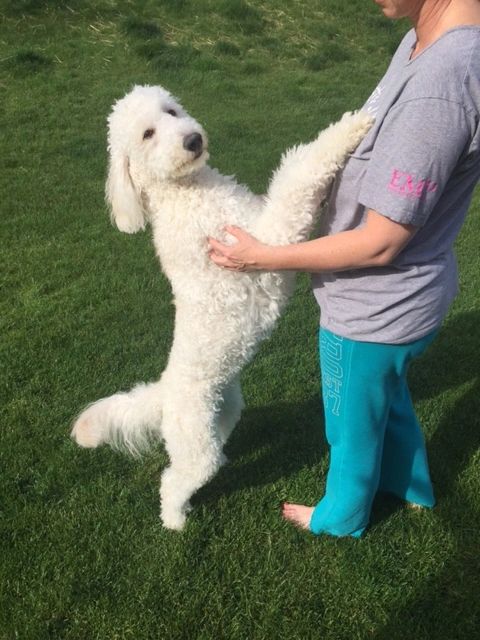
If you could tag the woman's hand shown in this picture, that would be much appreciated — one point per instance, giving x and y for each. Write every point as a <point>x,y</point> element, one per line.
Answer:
<point>247,254</point>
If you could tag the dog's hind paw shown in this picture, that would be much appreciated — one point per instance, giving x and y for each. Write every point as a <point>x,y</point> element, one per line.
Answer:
<point>174,520</point>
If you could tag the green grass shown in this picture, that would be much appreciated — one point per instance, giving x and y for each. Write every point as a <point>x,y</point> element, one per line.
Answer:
<point>85,312</point>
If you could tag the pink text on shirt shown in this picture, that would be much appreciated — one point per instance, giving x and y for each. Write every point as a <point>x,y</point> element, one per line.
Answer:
<point>404,184</point>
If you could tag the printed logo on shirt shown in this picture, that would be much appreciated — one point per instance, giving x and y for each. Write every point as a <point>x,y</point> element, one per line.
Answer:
<point>373,103</point>
<point>408,186</point>
<point>332,372</point>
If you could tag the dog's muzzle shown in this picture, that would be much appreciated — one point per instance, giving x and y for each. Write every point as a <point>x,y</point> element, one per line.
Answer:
<point>194,143</point>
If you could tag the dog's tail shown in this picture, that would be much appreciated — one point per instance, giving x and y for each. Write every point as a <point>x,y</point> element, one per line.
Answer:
<point>127,421</point>
<point>302,181</point>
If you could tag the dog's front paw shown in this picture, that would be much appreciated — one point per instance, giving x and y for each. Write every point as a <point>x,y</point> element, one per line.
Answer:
<point>357,125</point>
<point>87,431</point>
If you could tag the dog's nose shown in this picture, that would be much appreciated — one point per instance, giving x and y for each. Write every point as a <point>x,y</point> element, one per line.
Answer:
<point>193,142</point>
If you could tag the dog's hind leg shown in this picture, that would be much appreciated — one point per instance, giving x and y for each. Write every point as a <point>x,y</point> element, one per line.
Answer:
<point>231,410</point>
<point>195,453</point>
<point>123,420</point>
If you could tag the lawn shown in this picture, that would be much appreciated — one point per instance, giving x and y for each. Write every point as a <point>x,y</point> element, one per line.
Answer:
<point>85,312</point>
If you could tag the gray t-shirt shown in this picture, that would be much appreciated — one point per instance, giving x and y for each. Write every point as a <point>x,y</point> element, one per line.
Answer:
<point>418,165</point>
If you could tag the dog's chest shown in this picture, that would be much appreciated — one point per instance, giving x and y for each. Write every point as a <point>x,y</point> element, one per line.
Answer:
<point>181,227</point>
<point>184,218</point>
<point>248,304</point>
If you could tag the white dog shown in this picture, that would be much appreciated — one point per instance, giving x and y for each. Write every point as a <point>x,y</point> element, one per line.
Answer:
<point>158,173</point>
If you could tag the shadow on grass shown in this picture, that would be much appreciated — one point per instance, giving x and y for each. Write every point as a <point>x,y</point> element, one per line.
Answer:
<point>453,590</point>
<point>22,7</point>
<point>452,358</point>
<point>276,441</point>
<point>452,361</point>
<point>27,62</point>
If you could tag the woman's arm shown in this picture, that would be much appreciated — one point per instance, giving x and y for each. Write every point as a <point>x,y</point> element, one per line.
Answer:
<point>375,243</point>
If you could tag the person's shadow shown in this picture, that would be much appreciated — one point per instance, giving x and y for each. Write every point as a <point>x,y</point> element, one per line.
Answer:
<point>453,363</point>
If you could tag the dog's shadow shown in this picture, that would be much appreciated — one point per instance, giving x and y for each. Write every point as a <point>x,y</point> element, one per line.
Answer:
<point>274,442</point>
<point>270,443</point>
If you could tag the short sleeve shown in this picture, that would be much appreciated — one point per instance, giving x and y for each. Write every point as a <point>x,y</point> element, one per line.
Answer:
<point>414,155</point>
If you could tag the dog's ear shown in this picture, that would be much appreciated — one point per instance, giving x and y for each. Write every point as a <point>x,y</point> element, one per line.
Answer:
<point>125,207</point>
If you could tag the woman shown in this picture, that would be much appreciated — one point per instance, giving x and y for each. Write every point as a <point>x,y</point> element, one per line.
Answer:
<point>385,273</point>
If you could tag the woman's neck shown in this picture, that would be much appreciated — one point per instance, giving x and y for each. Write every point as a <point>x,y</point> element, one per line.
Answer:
<point>435,17</point>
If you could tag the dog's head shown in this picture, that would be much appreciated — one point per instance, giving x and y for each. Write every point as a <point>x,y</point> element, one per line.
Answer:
<point>149,135</point>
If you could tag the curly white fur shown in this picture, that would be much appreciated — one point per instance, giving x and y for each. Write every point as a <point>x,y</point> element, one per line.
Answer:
<point>158,174</point>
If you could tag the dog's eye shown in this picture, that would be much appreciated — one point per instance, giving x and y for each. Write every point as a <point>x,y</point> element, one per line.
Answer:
<point>172,112</point>
<point>148,134</point>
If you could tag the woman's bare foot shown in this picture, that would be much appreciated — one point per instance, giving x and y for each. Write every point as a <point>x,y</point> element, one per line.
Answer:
<point>415,506</point>
<point>299,514</point>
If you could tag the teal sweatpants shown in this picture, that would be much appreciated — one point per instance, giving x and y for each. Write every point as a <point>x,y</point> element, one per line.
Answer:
<point>376,442</point>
